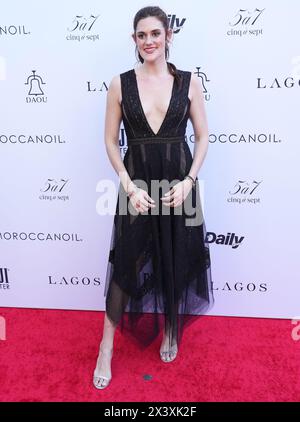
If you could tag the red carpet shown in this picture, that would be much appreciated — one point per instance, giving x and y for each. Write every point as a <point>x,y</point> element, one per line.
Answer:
<point>49,355</point>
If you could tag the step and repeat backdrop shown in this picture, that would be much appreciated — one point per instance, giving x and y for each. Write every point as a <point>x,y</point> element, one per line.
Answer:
<point>56,62</point>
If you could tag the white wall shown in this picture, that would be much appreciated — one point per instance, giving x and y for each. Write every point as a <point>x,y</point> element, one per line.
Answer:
<point>258,278</point>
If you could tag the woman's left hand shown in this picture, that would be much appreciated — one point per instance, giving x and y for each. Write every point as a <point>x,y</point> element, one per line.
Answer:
<point>175,196</point>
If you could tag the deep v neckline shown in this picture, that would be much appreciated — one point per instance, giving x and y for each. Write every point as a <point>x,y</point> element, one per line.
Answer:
<point>142,109</point>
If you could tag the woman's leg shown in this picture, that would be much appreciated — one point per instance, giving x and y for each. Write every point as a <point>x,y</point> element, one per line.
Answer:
<point>102,373</point>
<point>109,329</point>
<point>169,348</point>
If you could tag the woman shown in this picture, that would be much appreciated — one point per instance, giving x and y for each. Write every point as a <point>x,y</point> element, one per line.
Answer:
<point>158,273</point>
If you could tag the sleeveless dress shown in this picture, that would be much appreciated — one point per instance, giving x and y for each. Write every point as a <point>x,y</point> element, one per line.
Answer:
<point>159,271</point>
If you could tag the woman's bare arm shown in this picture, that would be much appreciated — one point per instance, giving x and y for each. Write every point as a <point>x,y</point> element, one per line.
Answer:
<point>113,118</point>
<point>199,122</point>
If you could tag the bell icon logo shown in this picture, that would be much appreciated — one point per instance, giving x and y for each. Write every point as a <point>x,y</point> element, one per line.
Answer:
<point>35,93</point>
<point>35,82</point>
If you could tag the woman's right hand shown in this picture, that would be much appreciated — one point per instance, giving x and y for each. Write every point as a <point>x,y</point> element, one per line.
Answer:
<point>141,201</point>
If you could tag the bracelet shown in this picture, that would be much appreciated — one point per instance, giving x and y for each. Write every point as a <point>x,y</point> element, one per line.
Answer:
<point>190,177</point>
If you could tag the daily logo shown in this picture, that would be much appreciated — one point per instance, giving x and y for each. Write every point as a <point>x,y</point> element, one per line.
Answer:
<point>229,239</point>
<point>176,24</point>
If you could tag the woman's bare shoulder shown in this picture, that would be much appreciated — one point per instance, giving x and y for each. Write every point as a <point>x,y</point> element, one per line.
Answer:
<point>115,82</point>
<point>195,86</point>
<point>115,85</point>
<point>116,79</point>
<point>114,88</point>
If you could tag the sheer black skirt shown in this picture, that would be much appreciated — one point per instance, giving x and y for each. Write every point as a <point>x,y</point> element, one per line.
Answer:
<point>159,269</point>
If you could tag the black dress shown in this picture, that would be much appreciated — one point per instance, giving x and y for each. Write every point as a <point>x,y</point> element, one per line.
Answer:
<point>159,271</point>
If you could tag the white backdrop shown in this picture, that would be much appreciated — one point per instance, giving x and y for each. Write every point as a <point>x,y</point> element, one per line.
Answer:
<point>56,62</point>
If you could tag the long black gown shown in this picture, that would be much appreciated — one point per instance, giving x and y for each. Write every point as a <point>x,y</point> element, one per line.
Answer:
<point>159,271</point>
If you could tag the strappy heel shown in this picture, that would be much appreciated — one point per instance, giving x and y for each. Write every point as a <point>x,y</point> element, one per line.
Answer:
<point>102,381</point>
<point>170,354</point>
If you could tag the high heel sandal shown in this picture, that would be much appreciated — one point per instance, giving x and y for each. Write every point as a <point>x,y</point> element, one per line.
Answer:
<point>169,355</point>
<point>98,379</point>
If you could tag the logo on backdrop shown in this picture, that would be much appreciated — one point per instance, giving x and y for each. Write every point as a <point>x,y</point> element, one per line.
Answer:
<point>279,83</point>
<point>35,92</point>
<point>203,79</point>
<point>4,281</point>
<point>245,192</point>
<point>246,22</point>
<point>123,142</point>
<point>74,281</point>
<point>241,286</point>
<point>175,23</point>
<point>83,29</point>
<point>242,138</point>
<point>54,190</point>
<point>102,87</point>
<point>31,139</point>
<point>229,239</point>
<point>41,236</point>
<point>13,30</point>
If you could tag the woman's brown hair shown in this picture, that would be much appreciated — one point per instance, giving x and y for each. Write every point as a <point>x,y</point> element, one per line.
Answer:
<point>157,12</point>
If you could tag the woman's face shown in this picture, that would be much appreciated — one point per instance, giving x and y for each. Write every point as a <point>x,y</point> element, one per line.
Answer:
<point>150,38</point>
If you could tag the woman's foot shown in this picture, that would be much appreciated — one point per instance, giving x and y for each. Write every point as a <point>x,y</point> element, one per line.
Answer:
<point>167,352</point>
<point>102,372</point>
